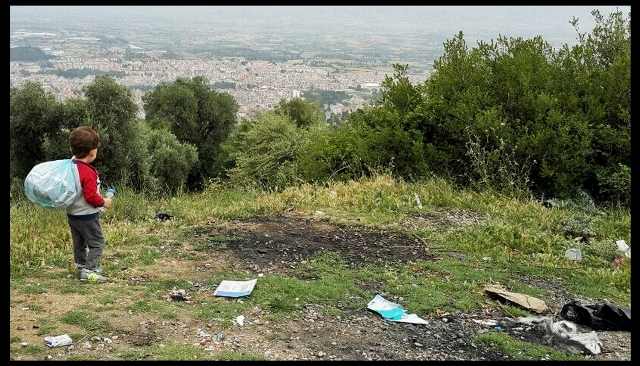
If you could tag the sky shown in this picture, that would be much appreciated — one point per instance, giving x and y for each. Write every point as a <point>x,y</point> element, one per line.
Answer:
<point>482,22</point>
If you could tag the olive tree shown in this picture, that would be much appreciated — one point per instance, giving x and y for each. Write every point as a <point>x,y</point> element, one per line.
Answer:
<point>197,115</point>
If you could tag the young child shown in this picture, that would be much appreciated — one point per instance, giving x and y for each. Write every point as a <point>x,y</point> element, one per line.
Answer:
<point>84,214</point>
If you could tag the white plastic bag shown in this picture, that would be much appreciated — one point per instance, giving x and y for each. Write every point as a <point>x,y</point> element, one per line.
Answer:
<point>52,184</point>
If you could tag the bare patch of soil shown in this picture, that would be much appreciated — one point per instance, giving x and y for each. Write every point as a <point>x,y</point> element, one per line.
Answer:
<point>281,243</point>
<point>278,245</point>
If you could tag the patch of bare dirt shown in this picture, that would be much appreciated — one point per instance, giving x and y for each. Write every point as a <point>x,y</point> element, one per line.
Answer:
<point>278,245</point>
<point>281,243</point>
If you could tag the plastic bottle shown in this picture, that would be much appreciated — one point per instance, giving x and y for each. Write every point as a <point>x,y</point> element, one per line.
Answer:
<point>110,193</point>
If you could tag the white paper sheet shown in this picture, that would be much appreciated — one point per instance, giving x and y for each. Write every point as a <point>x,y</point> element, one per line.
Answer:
<point>58,341</point>
<point>235,288</point>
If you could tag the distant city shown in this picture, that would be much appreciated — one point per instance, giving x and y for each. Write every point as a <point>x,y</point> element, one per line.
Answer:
<point>259,55</point>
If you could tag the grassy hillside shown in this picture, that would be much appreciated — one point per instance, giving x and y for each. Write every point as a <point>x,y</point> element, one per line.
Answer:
<point>154,246</point>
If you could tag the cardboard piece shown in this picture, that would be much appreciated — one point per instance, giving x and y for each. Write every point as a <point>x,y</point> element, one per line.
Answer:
<point>527,302</point>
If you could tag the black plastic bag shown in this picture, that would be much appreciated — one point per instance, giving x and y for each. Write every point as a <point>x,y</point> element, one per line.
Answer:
<point>598,317</point>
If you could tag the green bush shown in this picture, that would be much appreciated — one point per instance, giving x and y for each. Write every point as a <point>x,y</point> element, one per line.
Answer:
<point>266,153</point>
<point>171,161</point>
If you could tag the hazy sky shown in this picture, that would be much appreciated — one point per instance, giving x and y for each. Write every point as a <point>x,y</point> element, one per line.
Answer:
<point>484,22</point>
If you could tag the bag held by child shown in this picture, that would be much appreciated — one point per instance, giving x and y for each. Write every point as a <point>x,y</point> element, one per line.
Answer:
<point>52,184</point>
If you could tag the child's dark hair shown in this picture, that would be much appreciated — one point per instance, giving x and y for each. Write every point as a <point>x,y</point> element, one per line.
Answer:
<point>82,140</point>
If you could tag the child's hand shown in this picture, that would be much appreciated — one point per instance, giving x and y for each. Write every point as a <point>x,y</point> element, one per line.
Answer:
<point>107,203</point>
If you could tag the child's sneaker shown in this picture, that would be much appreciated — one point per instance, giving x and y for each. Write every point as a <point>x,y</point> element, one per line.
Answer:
<point>79,269</point>
<point>91,276</point>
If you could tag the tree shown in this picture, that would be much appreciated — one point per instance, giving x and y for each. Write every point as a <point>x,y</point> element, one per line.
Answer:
<point>266,152</point>
<point>171,161</point>
<point>33,117</point>
<point>547,108</point>
<point>196,115</point>
<point>606,56</point>
<point>385,143</point>
<point>124,157</point>
<point>397,92</point>
<point>73,113</point>
<point>302,112</point>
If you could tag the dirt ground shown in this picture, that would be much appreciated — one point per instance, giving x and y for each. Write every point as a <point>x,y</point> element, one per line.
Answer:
<point>277,245</point>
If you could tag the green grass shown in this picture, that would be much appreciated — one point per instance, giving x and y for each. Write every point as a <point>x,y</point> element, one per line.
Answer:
<point>515,239</point>
<point>524,351</point>
<point>28,350</point>
<point>176,352</point>
<point>46,326</point>
<point>84,319</point>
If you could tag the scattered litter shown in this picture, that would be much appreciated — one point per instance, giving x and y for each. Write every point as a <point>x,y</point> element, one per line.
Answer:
<point>239,320</point>
<point>392,311</point>
<point>497,329</point>
<point>623,247</point>
<point>598,317</point>
<point>618,261</point>
<point>573,254</point>
<point>58,341</point>
<point>162,216</point>
<point>527,302</point>
<point>178,295</point>
<point>417,200</point>
<point>235,288</point>
<point>218,336</point>
<point>565,334</point>
<point>530,320</point>
<point>490,323</point>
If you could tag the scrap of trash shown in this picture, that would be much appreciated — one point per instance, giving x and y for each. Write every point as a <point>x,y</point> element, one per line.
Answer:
<point>162,216</point>
<point>525,301</point>
<point>624,248</point>
<point>392,311</point>
<point>58,341</point>
<point>177,294</point>
<point>235,288</point>
<point>575,254</point>
<point>598,317</point>
<point>564,334</point>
